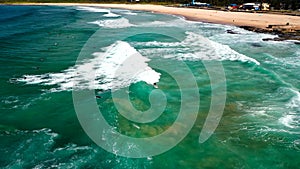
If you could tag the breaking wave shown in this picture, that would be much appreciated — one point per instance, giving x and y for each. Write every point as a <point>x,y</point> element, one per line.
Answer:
<point>92,9</point>
<point>113,23</point>
<point>193,47</point>
<point>106,66</point>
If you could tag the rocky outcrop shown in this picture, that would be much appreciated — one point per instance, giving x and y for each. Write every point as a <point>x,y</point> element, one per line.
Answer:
<point>284,32</point>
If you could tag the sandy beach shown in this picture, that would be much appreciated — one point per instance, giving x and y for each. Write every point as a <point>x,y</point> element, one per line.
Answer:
<point>258,20</point>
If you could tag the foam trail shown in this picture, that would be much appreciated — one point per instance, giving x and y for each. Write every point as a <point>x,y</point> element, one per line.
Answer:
<point>226,53</point>
<point>292,119</point>
<point>111,15</point>
<point>295,101</point>
<point>121,56</point>
<point>106,65</point>
<point>289,121</point>
<point>92,9</point>
<point>130,13</point>
<point>113,23</point>
<point>193,47</point>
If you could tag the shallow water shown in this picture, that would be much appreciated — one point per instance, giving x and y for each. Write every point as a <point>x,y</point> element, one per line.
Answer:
<point>260,126</point>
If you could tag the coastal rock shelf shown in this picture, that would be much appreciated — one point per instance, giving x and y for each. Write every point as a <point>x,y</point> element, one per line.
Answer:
<point>284,32</point>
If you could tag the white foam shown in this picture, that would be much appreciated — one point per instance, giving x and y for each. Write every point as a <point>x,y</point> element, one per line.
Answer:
<point>130,13</point>
<point>226,53</point>
<point>118,67</point>
<point>290,121</point>
<point>218,33</point>
<point>124,61</point>
<point>92,9</point>
<point>111,15</point>
<point>242,37</point>
<point>113,23</point>
<point>193,47</point>
<point>157,23</point>
<point>295,101</point>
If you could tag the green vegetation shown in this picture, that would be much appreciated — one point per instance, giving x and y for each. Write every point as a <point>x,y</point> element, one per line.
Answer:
<point>277,4</point>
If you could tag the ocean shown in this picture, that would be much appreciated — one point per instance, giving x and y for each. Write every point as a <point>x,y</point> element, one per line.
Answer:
<point>87,87</point>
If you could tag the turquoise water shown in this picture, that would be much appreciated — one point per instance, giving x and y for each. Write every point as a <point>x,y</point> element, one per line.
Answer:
<point>259,128</point>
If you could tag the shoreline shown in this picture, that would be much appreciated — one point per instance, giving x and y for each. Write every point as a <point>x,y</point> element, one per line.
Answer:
<point>285,26</point>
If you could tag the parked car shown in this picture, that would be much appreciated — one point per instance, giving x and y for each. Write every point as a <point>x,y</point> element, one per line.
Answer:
<point>251,6</point>
<point>200,4</point>
<point>232,7</point>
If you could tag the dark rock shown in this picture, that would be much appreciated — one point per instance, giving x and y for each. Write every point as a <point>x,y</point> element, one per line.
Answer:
<point>274,39</point>
<point>231,32</point>
<point>279,39</point>
<point>267,39</point>
<point>256,45</point>
<point>249,28</point>
<point>283,34</point>
<point>254,29</point>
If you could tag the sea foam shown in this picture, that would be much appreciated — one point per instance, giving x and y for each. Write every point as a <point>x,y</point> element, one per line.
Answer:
<point>111,15</point>
<point>113,23</point>
<point>98,10</point>
<point>130,13</point>
<point>290,121</point>
<point>92,9</point>
<point>193,47</point>
<point>118,67</point>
